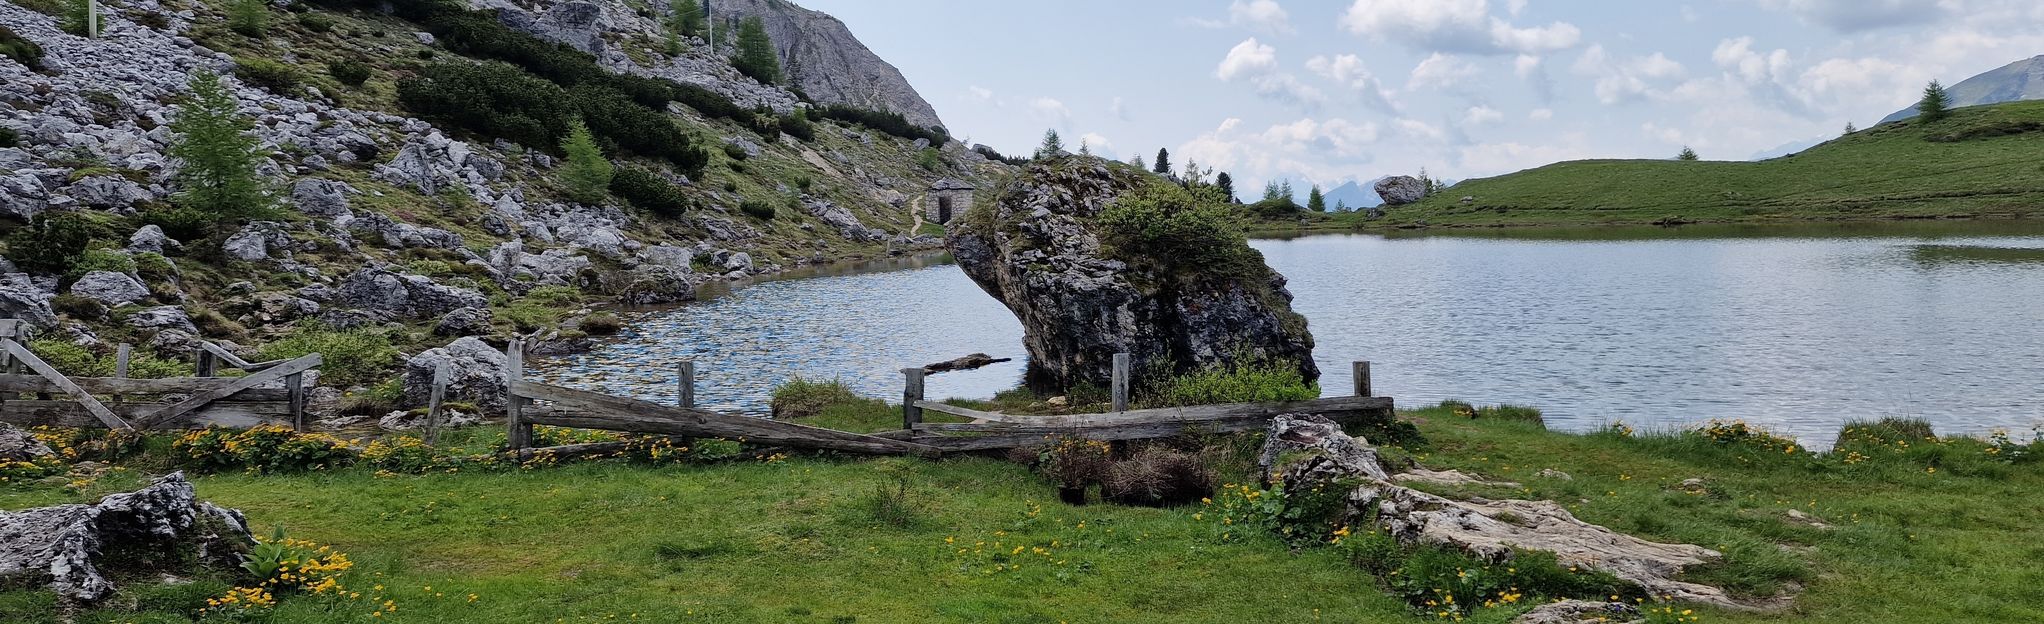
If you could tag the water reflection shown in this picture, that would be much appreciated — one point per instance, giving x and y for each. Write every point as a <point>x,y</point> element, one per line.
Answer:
<point>1799,328</point>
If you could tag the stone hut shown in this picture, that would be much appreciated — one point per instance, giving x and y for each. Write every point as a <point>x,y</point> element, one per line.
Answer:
<point>948,199</point>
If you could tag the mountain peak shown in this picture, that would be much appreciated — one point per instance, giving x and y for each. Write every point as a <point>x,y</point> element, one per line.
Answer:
<point>2021,80</point>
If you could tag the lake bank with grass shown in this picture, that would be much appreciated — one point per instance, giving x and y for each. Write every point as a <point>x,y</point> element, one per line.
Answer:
<point>716,537</point>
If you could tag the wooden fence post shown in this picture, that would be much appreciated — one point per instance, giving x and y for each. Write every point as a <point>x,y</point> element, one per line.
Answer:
<point>295,384</point>
<point>685,387</point>
<point>433,403</point>
<point>911,393</point>
<point>519,437</point>
<point>207,364</point>
<point>121,364</point>
<point>1121,371</point>
<point>1361,372</point>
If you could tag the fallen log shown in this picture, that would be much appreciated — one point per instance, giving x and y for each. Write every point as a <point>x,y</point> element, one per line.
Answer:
<point>976,360</point>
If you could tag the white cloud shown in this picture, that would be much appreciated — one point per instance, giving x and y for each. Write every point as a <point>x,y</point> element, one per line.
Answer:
<point>1099,145</point>
<point>1480,115</point>
<point>1052,111</point>
<point>1440,71</point>
<point>1620,80</point>
<point>980,93</point>
<point>1525,65</point>
<point>1849,16</point>
<point>1256,63</point>
<point>1515,6</point>
<point>1414,128</point>
<point>1464,26</point>
<point>1500,158</point>
<point>1118,108</point>
<point>1737,56</point>
<point>1261,15</point>
<point>1348,71</point>
<point>1540,114</point>
<point>1247,59</point>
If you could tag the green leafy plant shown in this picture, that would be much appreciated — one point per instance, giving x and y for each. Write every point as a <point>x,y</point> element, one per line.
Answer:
<point>352,357</point>
<point>929,159</point>
<point>25,52</point>
<point>804,398</point>
<point>1162,222</point>
<point>261,449</point>
<point>1256,382</point>
<point>757,209</point>
<point>649,191</point>
<point>349,71</point>
<point>51,244</point>
<point>278,77</point>
<point>315,22</point>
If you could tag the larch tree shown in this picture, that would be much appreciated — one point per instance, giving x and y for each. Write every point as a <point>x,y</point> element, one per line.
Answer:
<point>217,154</point>
<point>1052,144</point>
<point>756,55</point>
<point>586,173</point>
<point>1315,201</point>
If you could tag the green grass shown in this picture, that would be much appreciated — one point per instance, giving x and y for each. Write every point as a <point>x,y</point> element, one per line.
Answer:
<point>1980,162</point>
<point>799,540</point>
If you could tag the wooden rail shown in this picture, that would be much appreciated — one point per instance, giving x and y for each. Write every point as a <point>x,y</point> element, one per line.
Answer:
<point>202,400</point>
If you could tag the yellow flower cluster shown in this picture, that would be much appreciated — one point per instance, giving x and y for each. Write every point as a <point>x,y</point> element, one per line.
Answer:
<point>242,602</point>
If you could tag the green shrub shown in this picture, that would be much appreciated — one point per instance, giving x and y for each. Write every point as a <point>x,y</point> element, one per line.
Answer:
<point>1279,208</point>
<point>77,16</point>
<point>249,18</point>
<point>212,323</point>
<point>493,99</point>
<point>555,295</point>
<point>9,138</point>
<point>101,260</point>
<point>803,398</point>
<point>884,121</point>
<point>180,223</point>
<point>1246,383</point>
<point>1157,476</point>
<point>23,51</point>
<point>757,209</point>
<point>1073,462</point>
<point>76,307</point>
<point>797,124</point>
<point>896,502</point>
<point>349,71</point>
<point>315,22</point>
<point>734,152</point>
<point>51,244</point>
<point>351,357</point>
<point>70,359</point>
<point>929,159</point>
<point>1508,411</point>
<point>278,77</point>
<point>1161,222</point>
<point>648,191</point>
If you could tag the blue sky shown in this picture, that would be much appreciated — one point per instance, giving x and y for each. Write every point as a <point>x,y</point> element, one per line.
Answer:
<point>1326,91</point>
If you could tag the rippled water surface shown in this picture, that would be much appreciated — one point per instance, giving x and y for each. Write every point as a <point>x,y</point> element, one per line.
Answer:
<point>1797,328</point>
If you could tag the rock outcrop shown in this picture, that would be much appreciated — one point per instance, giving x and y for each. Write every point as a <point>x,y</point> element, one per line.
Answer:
<point>64,547</point>
<point>17,445</point>
<point>1310,451</point>
<point>1038,249</point>
<point>1401,190</point>
<point>475,374</point>
<point>831,65</point>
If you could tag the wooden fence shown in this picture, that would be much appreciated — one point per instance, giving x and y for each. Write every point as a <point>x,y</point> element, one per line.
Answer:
<point>140,404</point>
<point>531,403</point>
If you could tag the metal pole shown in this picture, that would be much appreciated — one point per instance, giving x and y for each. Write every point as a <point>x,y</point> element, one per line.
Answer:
<point>92,18</point>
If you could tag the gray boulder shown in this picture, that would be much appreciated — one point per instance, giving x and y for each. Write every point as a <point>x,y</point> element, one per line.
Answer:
<point>1581,612</point>
<point>841,219</point>
<point>23,196</point>
<point>394,295</point>
<point>62,547</point>
<point>162,317</point>
<point>106,191</point>
<point>258,241</point>
<point>17,445</point>
<point>464,322</point>
<point>475,374</point>
<point>1041,255</point>
<point>21,297</point>
<point>109,288</point>
<point>151,238</point>
<point>395,235</point>
<point>322,198</point>
<point>1401,190</point>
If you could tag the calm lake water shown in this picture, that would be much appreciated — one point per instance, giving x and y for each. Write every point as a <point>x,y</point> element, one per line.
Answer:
<point>1799,328</point>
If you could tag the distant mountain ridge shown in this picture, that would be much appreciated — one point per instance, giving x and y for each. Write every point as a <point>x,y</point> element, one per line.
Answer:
<point>2021,80</point>
<point>1352,194</point>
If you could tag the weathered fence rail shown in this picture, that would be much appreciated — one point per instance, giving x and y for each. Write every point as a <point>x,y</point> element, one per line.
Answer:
<point>170,403</point>
<point>542,404</point>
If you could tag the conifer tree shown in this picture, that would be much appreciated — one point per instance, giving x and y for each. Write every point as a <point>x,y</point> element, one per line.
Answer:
<point>1052,144</point>
<point>1315,201</point>
<point>685,18</point>
<point>756,55</point>
<point>216,154</point>
<point>1849,128</point>
<point>1163,164</point>
<point>1686,154</point>
<point>586,174</point>
<point>1227,185</point>
<point>1935,103</point>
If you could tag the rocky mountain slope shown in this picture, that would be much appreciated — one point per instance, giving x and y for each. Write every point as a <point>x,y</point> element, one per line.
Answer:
<point>2021,80</point>
<point>826,62</point>
<point>405,230</point>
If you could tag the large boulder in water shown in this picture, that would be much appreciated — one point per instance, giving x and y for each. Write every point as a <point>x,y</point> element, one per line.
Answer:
<point>1149,278</point>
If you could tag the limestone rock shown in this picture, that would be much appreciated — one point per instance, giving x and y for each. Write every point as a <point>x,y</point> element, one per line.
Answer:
<point>464,322</point>
<point>150,238</point>
<point>17,445</point>
<point>170,317</point>
<point>109,288</point>
<point>61,547</point>
<point>1581,612</point>
<point>1487,529</point>
<point>394,295</point>
<point>1401,190</point>
<point>475,374</point>
<point>258,241</point>
<point>22,298</point>
<point>838,217</point>
<point>321,198</point>
<point>1040,253</point>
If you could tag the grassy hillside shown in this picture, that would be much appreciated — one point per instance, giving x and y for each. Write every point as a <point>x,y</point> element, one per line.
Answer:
<point>1980,162</point>
<point>1896,530</point>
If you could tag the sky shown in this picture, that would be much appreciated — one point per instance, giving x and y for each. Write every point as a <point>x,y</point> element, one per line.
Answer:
<point>1328,91</point>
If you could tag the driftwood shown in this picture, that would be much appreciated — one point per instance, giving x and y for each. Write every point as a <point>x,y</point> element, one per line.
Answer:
<point>567,407</point>
<point>976,360</point>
